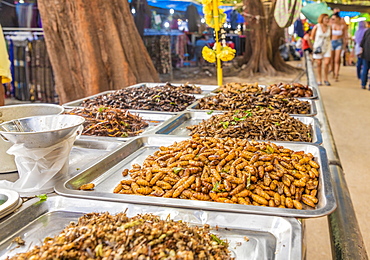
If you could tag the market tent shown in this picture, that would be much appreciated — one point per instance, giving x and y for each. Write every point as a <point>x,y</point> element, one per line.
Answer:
<point>228,10</point>
<point>351,7</point>
<point>180,5</point>
<point>314,10</point>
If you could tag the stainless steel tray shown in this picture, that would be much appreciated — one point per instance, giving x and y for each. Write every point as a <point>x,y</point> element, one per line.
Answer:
<point>177,124</point>
<point>313,112</point>
<point>314,92</point>
<point>86,152</point>
<point>269,237</point>
<point>154,120</point>
<point>106,174</point>
<point>206,89</point>
<point>78,102</point>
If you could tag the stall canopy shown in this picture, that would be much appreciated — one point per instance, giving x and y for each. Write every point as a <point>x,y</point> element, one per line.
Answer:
<point>314,10</point>
<point>363,8</point>
<point>182,5</point>
<point>176,5</point>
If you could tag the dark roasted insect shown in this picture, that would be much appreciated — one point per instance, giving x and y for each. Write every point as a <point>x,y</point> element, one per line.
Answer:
<point>113,122</point>
<point>160,98</point>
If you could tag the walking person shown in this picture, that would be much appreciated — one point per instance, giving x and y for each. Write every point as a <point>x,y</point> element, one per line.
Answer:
<point>338,42</point>
<point>358,50</point>
<point>306,41</point>
<point>365,55</point>
<point>321,35</point>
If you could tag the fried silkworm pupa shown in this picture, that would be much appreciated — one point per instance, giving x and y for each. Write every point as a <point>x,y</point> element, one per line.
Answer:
<point>87,186</point>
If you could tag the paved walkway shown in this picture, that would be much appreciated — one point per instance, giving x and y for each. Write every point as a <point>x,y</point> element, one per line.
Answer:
<point>347,107</point>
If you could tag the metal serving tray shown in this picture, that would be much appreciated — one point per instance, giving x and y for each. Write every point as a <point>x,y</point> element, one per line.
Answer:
<point>85,152</point>
<point>106,174</point>
<point>206,89</point>
<point>314,92</point>
<point>194,107</point>
<point>154,120</point>
<point>78,102</point>
<point>269,237</point>
<point>177,124</point>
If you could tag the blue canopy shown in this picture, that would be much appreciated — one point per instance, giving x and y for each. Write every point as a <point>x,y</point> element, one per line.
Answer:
<point>176,5</point>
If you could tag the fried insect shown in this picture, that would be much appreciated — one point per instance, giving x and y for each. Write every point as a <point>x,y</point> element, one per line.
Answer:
<point>233,171</point>
<point>87,186</point>
<point>144,236</point>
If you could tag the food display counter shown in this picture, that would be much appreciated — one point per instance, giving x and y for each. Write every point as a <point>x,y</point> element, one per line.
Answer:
<point>188,179</point>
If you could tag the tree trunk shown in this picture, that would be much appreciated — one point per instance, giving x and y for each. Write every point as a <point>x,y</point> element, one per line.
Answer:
<point>263,38</point>
<point>277,38</point>
<point>257,45</point>
<point>93,46</point>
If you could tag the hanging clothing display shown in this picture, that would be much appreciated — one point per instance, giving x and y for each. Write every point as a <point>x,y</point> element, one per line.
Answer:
<point>31,69</point>
<point>28,15</point>
<point>165,49</point>
<point>158,47</point>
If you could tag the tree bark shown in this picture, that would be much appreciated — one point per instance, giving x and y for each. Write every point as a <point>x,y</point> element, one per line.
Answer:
<point>257,42</point>
<point>93,46</point>
<point>263,38</point>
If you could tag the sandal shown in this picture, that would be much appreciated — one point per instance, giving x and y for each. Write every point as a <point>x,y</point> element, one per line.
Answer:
<point>327,83</point>
<point>319,84</point>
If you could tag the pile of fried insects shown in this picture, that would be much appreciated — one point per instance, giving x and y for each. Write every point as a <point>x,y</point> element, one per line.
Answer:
<point>106,236</point>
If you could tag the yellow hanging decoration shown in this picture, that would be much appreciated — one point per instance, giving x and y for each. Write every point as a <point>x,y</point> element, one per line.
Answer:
<point>215,17</point>
<point>227,53</point>
<point>209,54</point>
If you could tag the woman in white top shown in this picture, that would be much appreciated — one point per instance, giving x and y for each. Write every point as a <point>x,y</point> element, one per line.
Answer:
<point>321,35</point>
<point>338,42</point>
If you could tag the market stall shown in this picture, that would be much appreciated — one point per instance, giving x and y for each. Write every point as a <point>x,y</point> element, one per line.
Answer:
<point>99,162</point>
<point>180,171</point>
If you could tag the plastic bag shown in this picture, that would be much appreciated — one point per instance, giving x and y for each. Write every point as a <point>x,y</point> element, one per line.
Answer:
<point>38,167</point>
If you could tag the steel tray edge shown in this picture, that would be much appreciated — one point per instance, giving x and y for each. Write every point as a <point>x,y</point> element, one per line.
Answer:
<point>56,203</point>
<point>167,125</point>
<point>82,178</point>
<point>314,92</point>
<point>312,102</point>
<point>126,139</point>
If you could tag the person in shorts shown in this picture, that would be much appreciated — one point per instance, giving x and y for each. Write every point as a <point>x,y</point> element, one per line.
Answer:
<point>338,42</point>
<point>321,34</point>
